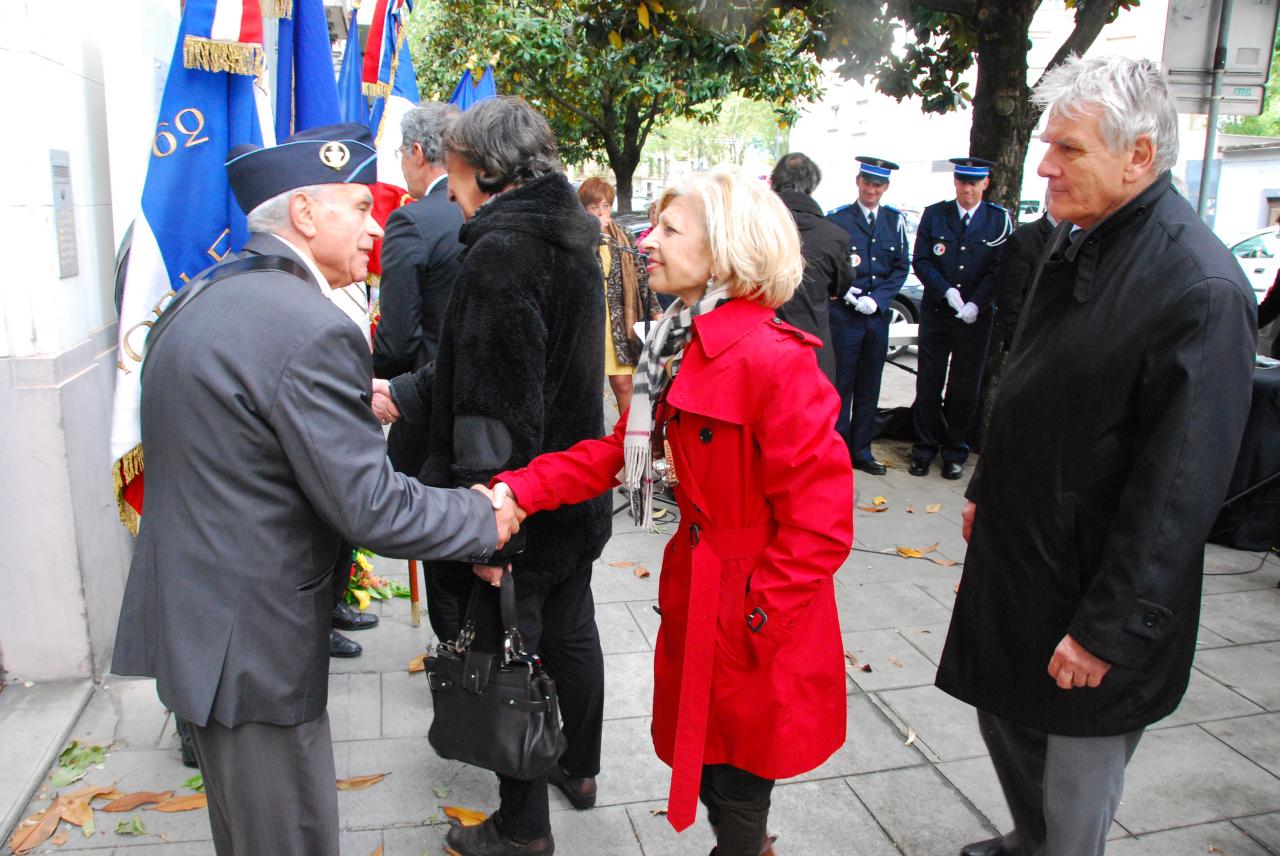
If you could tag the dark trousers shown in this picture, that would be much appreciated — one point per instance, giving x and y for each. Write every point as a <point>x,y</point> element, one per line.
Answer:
<point>1062,792</point>
<point>738,808</point>
<point>861,343</point>
<point>270,787</point>
<point>946,422</point>
<point>559,625</point>
<point>342,573</point>
<point>448,587</point>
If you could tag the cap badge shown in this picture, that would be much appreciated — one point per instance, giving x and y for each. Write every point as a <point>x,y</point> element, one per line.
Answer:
<point>334,155</point>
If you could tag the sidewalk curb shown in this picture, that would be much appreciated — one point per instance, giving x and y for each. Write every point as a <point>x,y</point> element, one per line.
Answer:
<point>76,696</point>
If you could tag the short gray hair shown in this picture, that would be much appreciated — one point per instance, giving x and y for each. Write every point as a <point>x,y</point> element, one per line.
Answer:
<point>1131,96</point>
<point>273,215</point>
<point>426,126</point>
<point>795,171</point>
<point>506,141</point>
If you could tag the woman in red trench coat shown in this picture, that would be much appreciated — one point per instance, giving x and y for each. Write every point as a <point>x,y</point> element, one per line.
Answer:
<point>749,681</point>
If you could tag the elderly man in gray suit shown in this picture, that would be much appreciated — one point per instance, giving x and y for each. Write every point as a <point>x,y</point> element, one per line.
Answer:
<point>263,456</point>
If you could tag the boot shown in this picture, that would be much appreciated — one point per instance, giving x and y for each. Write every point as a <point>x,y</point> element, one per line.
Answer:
<point>487,839</point>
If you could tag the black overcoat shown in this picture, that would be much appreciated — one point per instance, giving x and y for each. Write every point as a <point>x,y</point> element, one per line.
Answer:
<point>827,273</point>
<point>1110,449</point>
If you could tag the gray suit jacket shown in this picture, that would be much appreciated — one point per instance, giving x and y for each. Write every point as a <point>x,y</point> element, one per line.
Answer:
<point>262,456</point>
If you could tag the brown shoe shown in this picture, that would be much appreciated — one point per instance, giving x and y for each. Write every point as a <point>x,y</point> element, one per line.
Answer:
<point>487,840</point>
<point>581,793</point>
<point>768,846</point>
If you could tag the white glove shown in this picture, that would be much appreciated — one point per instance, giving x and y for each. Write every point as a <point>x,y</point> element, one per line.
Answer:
<point>866,305</point>
<point>968,313</point>
<point>954,298</point>
<point>851,296</point>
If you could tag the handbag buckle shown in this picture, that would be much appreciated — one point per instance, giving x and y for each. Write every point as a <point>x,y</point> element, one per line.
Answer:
<point>513,648</point>
<point>757,619</point>
<point>466,636</point>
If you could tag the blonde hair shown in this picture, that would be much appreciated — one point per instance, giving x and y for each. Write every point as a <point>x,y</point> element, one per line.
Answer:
<point>754,243</point>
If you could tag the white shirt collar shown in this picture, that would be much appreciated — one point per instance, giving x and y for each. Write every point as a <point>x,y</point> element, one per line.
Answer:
<point>963,211</point>
<point>350,299</point>
<point>444,176</point>
<point>866,212</point>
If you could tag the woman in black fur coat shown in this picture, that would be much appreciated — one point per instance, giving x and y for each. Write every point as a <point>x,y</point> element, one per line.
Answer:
<point>520,372</point>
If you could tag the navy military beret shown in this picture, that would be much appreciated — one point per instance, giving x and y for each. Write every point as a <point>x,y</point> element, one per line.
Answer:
<point>331,154</point>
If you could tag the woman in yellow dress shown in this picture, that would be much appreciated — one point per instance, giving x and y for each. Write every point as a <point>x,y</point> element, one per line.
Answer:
<point>626,293</point>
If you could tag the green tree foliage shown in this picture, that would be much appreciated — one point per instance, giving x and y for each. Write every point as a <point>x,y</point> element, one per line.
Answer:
<point>1268,124</point>
<point>607,75</point>
<point>739,126</point>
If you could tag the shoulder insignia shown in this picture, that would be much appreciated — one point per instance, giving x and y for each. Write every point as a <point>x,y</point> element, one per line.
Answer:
<point>841,208</point>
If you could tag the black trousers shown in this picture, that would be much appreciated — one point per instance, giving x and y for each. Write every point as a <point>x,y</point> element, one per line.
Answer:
<point>946,422</point>
<point>559,625</point>
<point>738,808</point>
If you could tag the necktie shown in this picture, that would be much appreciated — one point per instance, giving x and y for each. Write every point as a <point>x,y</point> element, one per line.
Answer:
<point>871,221</point>
<point>964,221</point>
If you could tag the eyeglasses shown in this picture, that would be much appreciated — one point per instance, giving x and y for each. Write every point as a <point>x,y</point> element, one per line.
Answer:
<point>404,150</point>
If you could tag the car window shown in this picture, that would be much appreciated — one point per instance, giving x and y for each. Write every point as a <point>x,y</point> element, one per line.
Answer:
<point>1265,246</point>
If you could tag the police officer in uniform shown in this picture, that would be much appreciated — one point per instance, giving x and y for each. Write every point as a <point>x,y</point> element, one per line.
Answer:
<point>956,256</point>
<point>860,316</point>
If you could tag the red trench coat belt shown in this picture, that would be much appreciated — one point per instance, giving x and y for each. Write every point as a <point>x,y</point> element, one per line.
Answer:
<point>710,547</point>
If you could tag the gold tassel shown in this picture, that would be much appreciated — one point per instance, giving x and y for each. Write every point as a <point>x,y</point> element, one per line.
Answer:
<point>245,58</point>
<point>124,471</point>
<point>277,8</point>
<point>376,90</point>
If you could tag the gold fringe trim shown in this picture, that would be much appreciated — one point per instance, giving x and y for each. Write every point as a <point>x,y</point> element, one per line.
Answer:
<point>373,280</point>
<point>277,8</point>
<point>245,58</point>
<point>124,471</point>
<point>376,90</point>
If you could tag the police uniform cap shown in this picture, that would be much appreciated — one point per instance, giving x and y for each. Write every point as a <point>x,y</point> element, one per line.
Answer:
<point>330,154</point>
<point>876,169</point>
<point>972,169</point>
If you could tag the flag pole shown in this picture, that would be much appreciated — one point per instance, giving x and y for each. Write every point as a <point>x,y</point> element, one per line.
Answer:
<point>415,596</point>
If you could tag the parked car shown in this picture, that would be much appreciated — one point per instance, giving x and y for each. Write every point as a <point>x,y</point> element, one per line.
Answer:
<point>1259,256</point>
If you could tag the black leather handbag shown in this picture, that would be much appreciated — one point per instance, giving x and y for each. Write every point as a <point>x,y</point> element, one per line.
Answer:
<point>495,711</point>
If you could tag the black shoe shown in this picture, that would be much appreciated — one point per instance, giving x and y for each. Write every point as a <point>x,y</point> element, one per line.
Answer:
<point>990,847</point>
<point>341,646</point>
<point>486,839</point>
<point>872,466</point>
<point>918,467</point>
<point>185,743</point>
<point>346,618</point>
<point>951,470</point>
<point>581,793</point>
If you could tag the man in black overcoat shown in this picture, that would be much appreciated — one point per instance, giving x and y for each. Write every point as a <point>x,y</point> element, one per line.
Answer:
<point>827,271</point>
<point>1110,449</point>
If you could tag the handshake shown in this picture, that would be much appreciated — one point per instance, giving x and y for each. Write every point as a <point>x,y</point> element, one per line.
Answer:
<point>966,312</point>
<point>508,517</point>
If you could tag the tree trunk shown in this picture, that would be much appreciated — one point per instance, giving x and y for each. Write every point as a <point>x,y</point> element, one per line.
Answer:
<point>1003,119</point>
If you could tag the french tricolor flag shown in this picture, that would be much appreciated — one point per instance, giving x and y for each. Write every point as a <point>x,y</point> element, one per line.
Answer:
<point>389,79</point>
<point>215,98</point>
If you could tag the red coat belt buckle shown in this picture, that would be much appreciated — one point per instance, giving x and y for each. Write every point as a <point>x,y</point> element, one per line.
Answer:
<point>757,619</point>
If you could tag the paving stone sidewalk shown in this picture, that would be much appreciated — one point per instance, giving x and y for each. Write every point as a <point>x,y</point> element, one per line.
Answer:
<point>1204,781</point>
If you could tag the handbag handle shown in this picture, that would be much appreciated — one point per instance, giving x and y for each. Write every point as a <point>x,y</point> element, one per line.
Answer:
<point>513,640</point>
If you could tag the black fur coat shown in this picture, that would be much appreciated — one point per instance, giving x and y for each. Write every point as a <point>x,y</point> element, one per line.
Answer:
<point>521,364</point>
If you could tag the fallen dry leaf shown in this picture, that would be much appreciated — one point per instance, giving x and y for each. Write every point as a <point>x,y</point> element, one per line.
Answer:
<point>1213,849</point>
<point>911,737</point>
<point>129,802</point>
<point>187,802</point>
<point>930,548</point>
<point>946,563</point>
<point>75,811</point>
<point>91,792</point>
<point>896,662</point>
<point>926,631</point>
<point>933,508</point>
<point>465,816</point>
<point>359,783</point>
<point>878,501</point>
<point>621,564</point>
<point>377,852</point>
<point>60,839</point>
<point>658,812</point>
<point>853,661</point>
<point>911,509</point>
<point>35,830</point>
<point>642,571</point>
<point>957,588</point>
<point>418,663</point>
<point>873,508</point>
<point>866,667</point>
<point>909,553</point>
